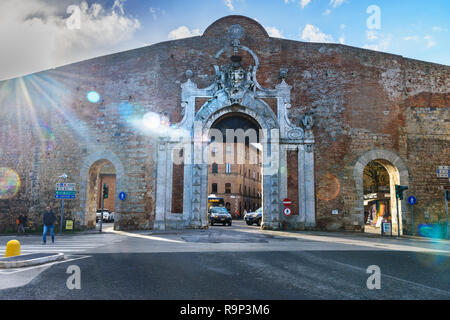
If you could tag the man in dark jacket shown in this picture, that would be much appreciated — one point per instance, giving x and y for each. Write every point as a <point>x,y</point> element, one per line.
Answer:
<point>49,221</point>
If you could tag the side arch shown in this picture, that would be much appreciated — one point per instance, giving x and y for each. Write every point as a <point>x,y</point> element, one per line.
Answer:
<point>398,173</point>
<point>88,162</point>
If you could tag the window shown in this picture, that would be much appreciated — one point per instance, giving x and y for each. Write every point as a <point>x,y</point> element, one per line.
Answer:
<point>214,188</point>
<point>227,187</point>
<point>228,168</point>
<point>215,168</point>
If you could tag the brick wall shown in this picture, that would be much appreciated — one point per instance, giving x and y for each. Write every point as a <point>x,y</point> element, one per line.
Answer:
<point>361,100</point>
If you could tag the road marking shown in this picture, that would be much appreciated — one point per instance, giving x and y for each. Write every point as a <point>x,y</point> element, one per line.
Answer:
<point>12,271</point>
<point>395,278</point>
<point>134,235</point>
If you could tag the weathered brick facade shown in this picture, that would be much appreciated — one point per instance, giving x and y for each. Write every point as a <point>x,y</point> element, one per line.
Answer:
<point>367,105</point>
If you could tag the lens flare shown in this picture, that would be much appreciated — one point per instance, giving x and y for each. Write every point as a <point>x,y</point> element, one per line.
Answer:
<point>329,187</point>
<point>126,109</point>
<point>152,120</point>
<point>93,96</point>
<point>48,135</point>
<point>9,183</point>
<point>431,231</point>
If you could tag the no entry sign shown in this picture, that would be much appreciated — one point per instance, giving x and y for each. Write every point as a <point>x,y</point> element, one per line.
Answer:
<point>287,202</point>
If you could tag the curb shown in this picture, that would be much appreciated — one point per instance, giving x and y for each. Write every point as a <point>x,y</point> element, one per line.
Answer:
<point>30,261</point>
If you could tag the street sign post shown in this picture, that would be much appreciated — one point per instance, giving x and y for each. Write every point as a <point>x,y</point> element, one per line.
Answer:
<point>63,191</point>
<point>412,201</point>
<point>122,195</point>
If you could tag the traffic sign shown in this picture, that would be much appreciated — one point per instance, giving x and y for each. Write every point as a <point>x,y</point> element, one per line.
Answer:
<point>287,202</point>
<point>412,200</point>
<point>65,190</point>
<point>122,195</point>
<point>287,212</point>
<point>66,186</point>
<point>69,224</point>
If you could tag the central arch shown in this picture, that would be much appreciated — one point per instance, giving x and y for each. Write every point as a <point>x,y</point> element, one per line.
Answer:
<point>269,139</point>
<point>235,173</point>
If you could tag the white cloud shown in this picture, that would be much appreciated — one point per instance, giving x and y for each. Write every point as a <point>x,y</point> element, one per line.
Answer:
<point>304,3</point>
<point>326,12</point>
<point>411,38</point>
<point>342,40</point>
<point>183,32</point>
<point>336,3</point>
<point>371,35</point>
<point>439,29</point>
<point>382,44</point>
<point>430,42</point>
<point>229,4</point>
<point>313,34</point>
<point>153,12</point>
<point>35,35</point>
<point>274,32</point>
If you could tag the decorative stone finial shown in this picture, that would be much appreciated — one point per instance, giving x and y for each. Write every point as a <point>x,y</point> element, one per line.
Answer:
<point>189,73</point>
<point>283,73</point>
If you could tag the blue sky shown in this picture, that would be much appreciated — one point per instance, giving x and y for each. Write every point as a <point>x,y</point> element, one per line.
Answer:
<point>34,34</point>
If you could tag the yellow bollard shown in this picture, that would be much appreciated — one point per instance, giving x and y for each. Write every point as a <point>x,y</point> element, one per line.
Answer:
<point>12,248</point>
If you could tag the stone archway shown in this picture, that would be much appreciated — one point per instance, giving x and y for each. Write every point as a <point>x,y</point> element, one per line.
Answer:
<point>235,89</point>
<point>91,167</point>
<point>398,174</point>
<point>269,140</point>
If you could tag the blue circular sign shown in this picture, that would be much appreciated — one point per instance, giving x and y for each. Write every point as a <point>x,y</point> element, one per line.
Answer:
<point>122,195</point>
<point>412,200</point>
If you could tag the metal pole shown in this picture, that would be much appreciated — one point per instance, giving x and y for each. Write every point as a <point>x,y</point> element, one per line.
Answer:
<point>446,212</point>
<point>398,218</point>
<point>103,203</point>
<point>412,219</point>
<point>62,209</point>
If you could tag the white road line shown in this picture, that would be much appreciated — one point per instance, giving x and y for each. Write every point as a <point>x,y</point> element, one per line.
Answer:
<point>11,271</point>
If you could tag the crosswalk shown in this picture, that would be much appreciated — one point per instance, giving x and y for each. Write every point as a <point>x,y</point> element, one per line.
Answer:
<point>65,244</point>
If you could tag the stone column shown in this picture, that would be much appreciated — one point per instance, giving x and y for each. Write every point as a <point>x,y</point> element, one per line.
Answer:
<point>301,184</point>
<point>309,185</point>
<point>161,173</point>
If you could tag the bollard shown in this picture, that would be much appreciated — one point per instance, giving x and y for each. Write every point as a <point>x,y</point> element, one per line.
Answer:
<point>12,248</point>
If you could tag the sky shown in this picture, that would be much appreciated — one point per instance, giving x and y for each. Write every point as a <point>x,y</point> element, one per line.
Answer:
<point>37,35</point>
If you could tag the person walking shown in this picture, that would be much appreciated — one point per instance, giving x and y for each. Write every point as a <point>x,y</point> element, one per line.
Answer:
<point>21,222</point>
<point>49,221</point>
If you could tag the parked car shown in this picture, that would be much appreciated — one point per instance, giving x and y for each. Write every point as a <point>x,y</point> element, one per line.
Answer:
<point>219,215</point>
<point>254,217</point>
<point>106,215</point>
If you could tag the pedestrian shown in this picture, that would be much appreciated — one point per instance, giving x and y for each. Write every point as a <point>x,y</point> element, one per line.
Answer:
<point>21,222</point>
<point>49,221</point>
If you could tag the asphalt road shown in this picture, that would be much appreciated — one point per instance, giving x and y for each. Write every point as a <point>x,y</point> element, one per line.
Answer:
<point>215,264</point>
